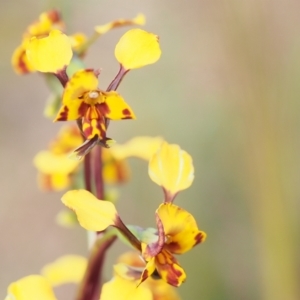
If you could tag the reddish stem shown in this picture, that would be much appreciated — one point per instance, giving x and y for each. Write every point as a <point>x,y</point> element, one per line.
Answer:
<point>90,285</point>
<point>118,79</point>
<point>62,77</point>
<point>87,172</point>
<point>98,172</point>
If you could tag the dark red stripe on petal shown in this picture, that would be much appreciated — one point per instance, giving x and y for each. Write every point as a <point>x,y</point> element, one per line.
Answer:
<point>83,109</point>
<point>173,276</point>
<point>104,108</point>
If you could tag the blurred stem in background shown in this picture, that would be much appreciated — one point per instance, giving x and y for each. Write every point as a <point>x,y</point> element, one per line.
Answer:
<point>258,72</point>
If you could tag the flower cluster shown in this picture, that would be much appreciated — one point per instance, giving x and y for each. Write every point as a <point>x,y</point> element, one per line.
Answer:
<point>150,271</point>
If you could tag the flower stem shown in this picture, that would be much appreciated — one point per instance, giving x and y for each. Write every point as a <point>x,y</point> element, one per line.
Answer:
<point>98,174</point>
<point>118,79</point>
<point>87,172</point>
<point>89,288</point>
<point>128,234</point>
<point>62,77</point>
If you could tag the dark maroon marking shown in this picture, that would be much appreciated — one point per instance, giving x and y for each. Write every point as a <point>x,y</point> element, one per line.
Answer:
<point>88,130</point>
<point>126,112</point>
<point>198,238</point>
<point>89,70</point>
<point>21,63</point>
<point>82,109</point>
<point>126,118</point>
<point>173,275</point>
<point>54,16</point>
<point>64,114</point>
<point>173,247</point>
<point>104,109</point>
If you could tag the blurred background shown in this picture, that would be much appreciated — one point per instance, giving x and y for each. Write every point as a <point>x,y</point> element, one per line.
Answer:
<point>226,89</point>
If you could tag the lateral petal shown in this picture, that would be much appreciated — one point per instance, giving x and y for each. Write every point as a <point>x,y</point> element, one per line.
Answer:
<point>92,213</point>
<point>30,287</point>
<point>66,269</point>
<point>137,48</point>
<point>115,107</point>
<point>50,54</point>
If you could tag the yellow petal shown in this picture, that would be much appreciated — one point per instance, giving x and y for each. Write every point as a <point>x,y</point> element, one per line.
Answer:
<point>118,109</point>
<point>138,20</point>
<point>92,214</point>
<point>143,147</point>
<point>162,290</point>
<point>82,81</point>
<point>30,288</point>
<point>50,163</point>
<point>171,168</point>
<point>20,62</point>
<point>137,48</point>
<point>169,269</point>
<point>180,227</point>
<point>53,182</point>
<point>66,269</point>
<point>67,139</point>
<point>149,269</point>
<point>114,170</point>
<point>122,289</point>
<point>77,40</point>
<point>50,54</point>
<point>47,21</point>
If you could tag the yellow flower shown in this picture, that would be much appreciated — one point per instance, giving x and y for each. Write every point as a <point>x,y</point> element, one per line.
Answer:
<point>138,20</point>
<point>30,287</point>
<point>115,171</point>
<point>126,277</point>
<point>171,168</point>
<point>66,269</point>
<point>50,54</point>
<point>66,140</point>
<point>55,170</point>
<point>47,21</point>
<point>137,48</point>
<point>83,99</point>
<point>177,233</point>
<point>143,147</point>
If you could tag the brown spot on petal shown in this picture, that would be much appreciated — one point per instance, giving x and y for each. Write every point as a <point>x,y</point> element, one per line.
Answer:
<point>63,115</point>
<point>199,238</point>
<point>126,112</point>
